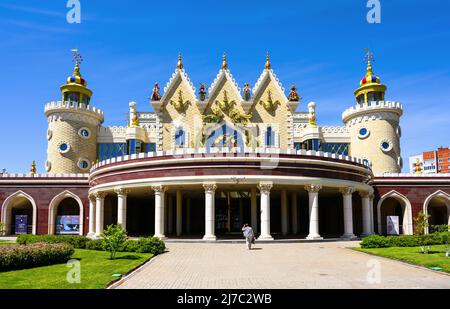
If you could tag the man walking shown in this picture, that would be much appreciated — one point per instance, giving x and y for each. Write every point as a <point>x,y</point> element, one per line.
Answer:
<point>249,235</point>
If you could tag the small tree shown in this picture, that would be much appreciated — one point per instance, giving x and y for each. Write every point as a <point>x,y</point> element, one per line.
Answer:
<point>113,239</point>
<point>2,229</point>
<point>421,222</point>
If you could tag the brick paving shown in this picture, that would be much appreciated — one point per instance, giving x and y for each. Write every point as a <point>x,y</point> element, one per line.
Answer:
<point>275,266</point>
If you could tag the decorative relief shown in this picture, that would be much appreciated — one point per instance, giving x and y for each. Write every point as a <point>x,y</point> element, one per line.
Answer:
<point>347,190</point>
<point>265,187</point>
<point>270,105</point>
<point>313,188</point>
<point>159,189</point>
<point>121,191</point>
<point>180,105</point>
<point>210,187</point>
<point>100,195</point>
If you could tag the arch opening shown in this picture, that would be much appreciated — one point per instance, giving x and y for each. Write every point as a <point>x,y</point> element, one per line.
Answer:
<point>394,204</point>
<point>19,214</point>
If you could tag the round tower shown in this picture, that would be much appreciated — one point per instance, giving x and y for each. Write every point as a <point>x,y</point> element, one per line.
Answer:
<point>72,126</point>
<point>374,125</point>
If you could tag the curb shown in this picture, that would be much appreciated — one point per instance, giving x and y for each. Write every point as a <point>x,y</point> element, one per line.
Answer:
<point>117,283</point>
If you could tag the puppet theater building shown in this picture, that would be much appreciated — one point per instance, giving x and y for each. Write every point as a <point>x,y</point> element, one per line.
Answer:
<point>204,163</point>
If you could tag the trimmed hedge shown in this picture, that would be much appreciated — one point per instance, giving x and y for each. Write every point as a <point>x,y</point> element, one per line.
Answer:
<point>143,245</point>
<point>39,254</point>
<point>77,241</point>
<point>377,241</point>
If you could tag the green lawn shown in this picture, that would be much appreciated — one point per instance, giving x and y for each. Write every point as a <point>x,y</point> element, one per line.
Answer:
<point>436,257</point>
<point>96,272</point>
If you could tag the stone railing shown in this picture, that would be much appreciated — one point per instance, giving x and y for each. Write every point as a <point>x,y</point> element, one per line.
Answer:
<point>49,176</point>
<point>411,175</point>
<point>372,106</point>
<point>231,151</point>
<point>60,105</point>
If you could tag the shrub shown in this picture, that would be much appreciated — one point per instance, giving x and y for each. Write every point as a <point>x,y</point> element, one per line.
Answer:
<point>77,241</point>
<point>38,254</point>
<point>376,241</point>
<point>130,246</point>
<point>151,245</point>
<point>114,238</point>
<point>439,228</point>
<point>94,244</point>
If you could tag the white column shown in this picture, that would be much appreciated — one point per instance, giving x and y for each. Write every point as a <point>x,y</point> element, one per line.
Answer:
<point>284,213</point>
<point>294,214</point>
<point>122,207</point>
<point>348,212</point>
<point>264,188</point>
<point>179,213</point>
<point>91,216</point>
<point>169,214</point>
<point>99,212</point>
<point>254,215</point>
<point>372,221</point>
<point>313,194</point>
<point>159,211</point>
<point>210,189</point>
<point>365,201</point>
<point>188,215</point>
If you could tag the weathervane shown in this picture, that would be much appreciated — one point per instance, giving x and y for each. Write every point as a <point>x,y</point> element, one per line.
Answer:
<point>369,56</point>
<point>76,58</point>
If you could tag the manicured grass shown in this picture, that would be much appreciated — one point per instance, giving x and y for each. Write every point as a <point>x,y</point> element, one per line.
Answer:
<point>96,272</point>
<point>413,255</point>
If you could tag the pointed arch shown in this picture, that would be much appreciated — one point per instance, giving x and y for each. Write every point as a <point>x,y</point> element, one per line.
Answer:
<point>406,207</point>
<point>53,209</point>
<point>7,208</point>
<point>439,194</point>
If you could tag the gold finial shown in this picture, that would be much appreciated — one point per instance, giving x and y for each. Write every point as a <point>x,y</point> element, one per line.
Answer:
<point>267,61</point>
<point>33,168</point>
<point>180,62</point>
<point>77,59</point>
<point>368,58</point>
<point>224,62</point>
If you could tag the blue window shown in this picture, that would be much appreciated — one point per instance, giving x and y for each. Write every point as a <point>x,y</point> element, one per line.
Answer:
<point>270,137</point>
<point>63,147</point>
<point>179,137</point>
<point>297,146</point>
<point>385,145</point>
<point>337,148</point>
<point>363,132</point>
<point>108,151</point>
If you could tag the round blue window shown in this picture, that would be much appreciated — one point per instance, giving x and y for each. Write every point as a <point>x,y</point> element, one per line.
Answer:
<point>363,132</point>
<point>385,145</point>
<point>84,133</point>
<point>63,147</point>
<point>84,164</point>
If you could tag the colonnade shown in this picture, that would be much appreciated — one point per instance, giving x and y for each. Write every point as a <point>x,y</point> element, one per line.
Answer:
<point>96,211</point>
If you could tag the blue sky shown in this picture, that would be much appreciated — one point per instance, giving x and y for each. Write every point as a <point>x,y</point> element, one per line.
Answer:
<point>129,45</point>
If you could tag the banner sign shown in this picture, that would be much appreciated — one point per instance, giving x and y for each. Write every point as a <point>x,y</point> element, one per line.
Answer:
<point>393,226</point>
<point>21,224</point>
<point>67,225</point>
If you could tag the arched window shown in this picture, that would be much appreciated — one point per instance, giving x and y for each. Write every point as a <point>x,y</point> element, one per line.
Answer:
<point>179,137</point>
<point>270,137</point>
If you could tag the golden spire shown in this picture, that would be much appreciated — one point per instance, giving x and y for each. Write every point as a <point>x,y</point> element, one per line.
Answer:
<point>368,58</point>
<point>33,168</point>
<point>180,62</point>
<point>77,59</point>
<point>267,67</point>
<point>224,62</point>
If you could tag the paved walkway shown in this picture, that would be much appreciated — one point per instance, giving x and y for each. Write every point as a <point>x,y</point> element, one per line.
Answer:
<point>277,266</point>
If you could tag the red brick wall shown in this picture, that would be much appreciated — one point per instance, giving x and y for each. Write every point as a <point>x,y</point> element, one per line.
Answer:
<point>416,194</point>
<point>42,196</point>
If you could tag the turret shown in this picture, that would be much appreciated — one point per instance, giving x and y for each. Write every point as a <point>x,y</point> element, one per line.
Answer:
<point>72,126</point>
<point>374,124</point>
